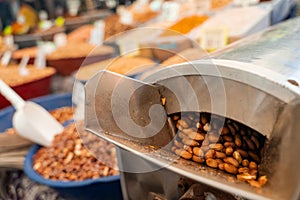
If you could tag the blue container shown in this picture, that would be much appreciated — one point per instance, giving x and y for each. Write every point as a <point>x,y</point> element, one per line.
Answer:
<point>102,188</point>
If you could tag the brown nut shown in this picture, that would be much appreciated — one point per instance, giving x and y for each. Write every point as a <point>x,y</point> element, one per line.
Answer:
<point>236,155</point>
<point>255,141</point>
<point>219,161</point>
<point>183,153</point>
<point>243,153</point>
<point>254,183</point>
<point>245,177</point>
<point>263,180</point>
<point>243,170</point>
<point>231,128</point>
<point>224,130</point>
<point>210,154</point>
<point>217,147</point>
<point>190,142</point>
<point>206,127</point>
<point>245,163</point>
<point>188,149</point>
<point>220,155</point>
<point>238,141</point>
<point>182,123</point>
<point>212,137</point>
<point>176,117</point>
<point>252,165</point>
<point>198,159</point>
<point>198,151</point>
<point>173,148</point>
<point>195,136</point>
<point>229,144</point>
<point>203,119</point>
<point>249,143</point>
<point>231,161</point>
<point>230,168</point>
<point>179,127</point>
<point>253,172</point>
<point>254,156</point>
<point>228,151</point>
<point>212,163</point>
<point>187,130</point>
<point>221,166</point>
<point>227,138</point>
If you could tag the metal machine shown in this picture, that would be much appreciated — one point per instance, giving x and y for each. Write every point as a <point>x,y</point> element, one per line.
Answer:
<point>254,82</point>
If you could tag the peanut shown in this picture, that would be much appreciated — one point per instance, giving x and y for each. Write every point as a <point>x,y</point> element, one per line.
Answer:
<point>183,153</point>
<point>212,163</point>
<point>230,168</point>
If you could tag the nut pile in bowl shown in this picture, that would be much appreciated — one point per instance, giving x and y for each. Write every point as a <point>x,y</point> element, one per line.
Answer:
<point>220,143</point>
<point>67,159</point>
<point>11,76</point>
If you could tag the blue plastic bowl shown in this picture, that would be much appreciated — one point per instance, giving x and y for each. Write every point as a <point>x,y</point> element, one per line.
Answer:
<point>102,188</point>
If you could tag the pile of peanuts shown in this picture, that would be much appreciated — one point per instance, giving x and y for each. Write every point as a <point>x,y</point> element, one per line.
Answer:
<point>62,114</point>
<point>220,143</point>
<point>68,160</point>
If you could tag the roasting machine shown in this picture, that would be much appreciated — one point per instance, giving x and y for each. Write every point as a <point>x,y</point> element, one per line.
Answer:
<point>254,82</point>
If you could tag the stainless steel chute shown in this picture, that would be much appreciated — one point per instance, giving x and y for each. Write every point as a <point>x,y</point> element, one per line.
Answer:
<point>256,95</point>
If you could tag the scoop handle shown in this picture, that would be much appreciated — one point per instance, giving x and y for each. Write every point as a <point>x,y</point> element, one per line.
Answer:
<point>11,95</point>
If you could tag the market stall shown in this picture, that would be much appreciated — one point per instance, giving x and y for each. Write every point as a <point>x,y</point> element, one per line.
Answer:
<point>155,100</point>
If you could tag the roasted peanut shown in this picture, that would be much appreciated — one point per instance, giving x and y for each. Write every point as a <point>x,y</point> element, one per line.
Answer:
<point>231,128</point>
<point>243,153</point>
<point>254,183</point>
<point>252,165</point>
<point>198,159</point>
<point>179,127</point>
<point>262,180</point>
<point>220,155</point>
<point>219,161</point>
<point>203,119</point>
<point>210,154</point>
<point>245,177</point>
<point>229,144</point>
<point>255,141</point>
<point>245,163</point>
<point>228,151</point>
<point>230,168</point>
<point>238,141</point>
<point>206,127</point>
<point>224,130</point>
<point>249,143</point>
<point>190,142</point>
<point>195,136</point>
<point>183,153</point>
<point>182,123</point>
<point>254,156</point>
<point>217,147</point>
<point>231,161</point>
<point>243,170</point>
<point>198,151</point>
<point>212,163</point>
<point>176,117</point>
<point>227,138</point>
<point>221,166</point>
<point>212,137</point>
<point>188,149</point>
<point>236,155</point>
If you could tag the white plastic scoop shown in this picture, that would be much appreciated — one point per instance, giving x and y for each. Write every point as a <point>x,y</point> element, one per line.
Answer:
<point>31,120</point>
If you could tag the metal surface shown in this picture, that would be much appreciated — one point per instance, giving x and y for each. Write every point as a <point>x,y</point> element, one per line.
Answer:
<point>277,49</point>
<point>243,86</point>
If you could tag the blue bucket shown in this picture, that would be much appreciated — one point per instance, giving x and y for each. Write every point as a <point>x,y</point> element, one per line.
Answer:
<point>101,188</point>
